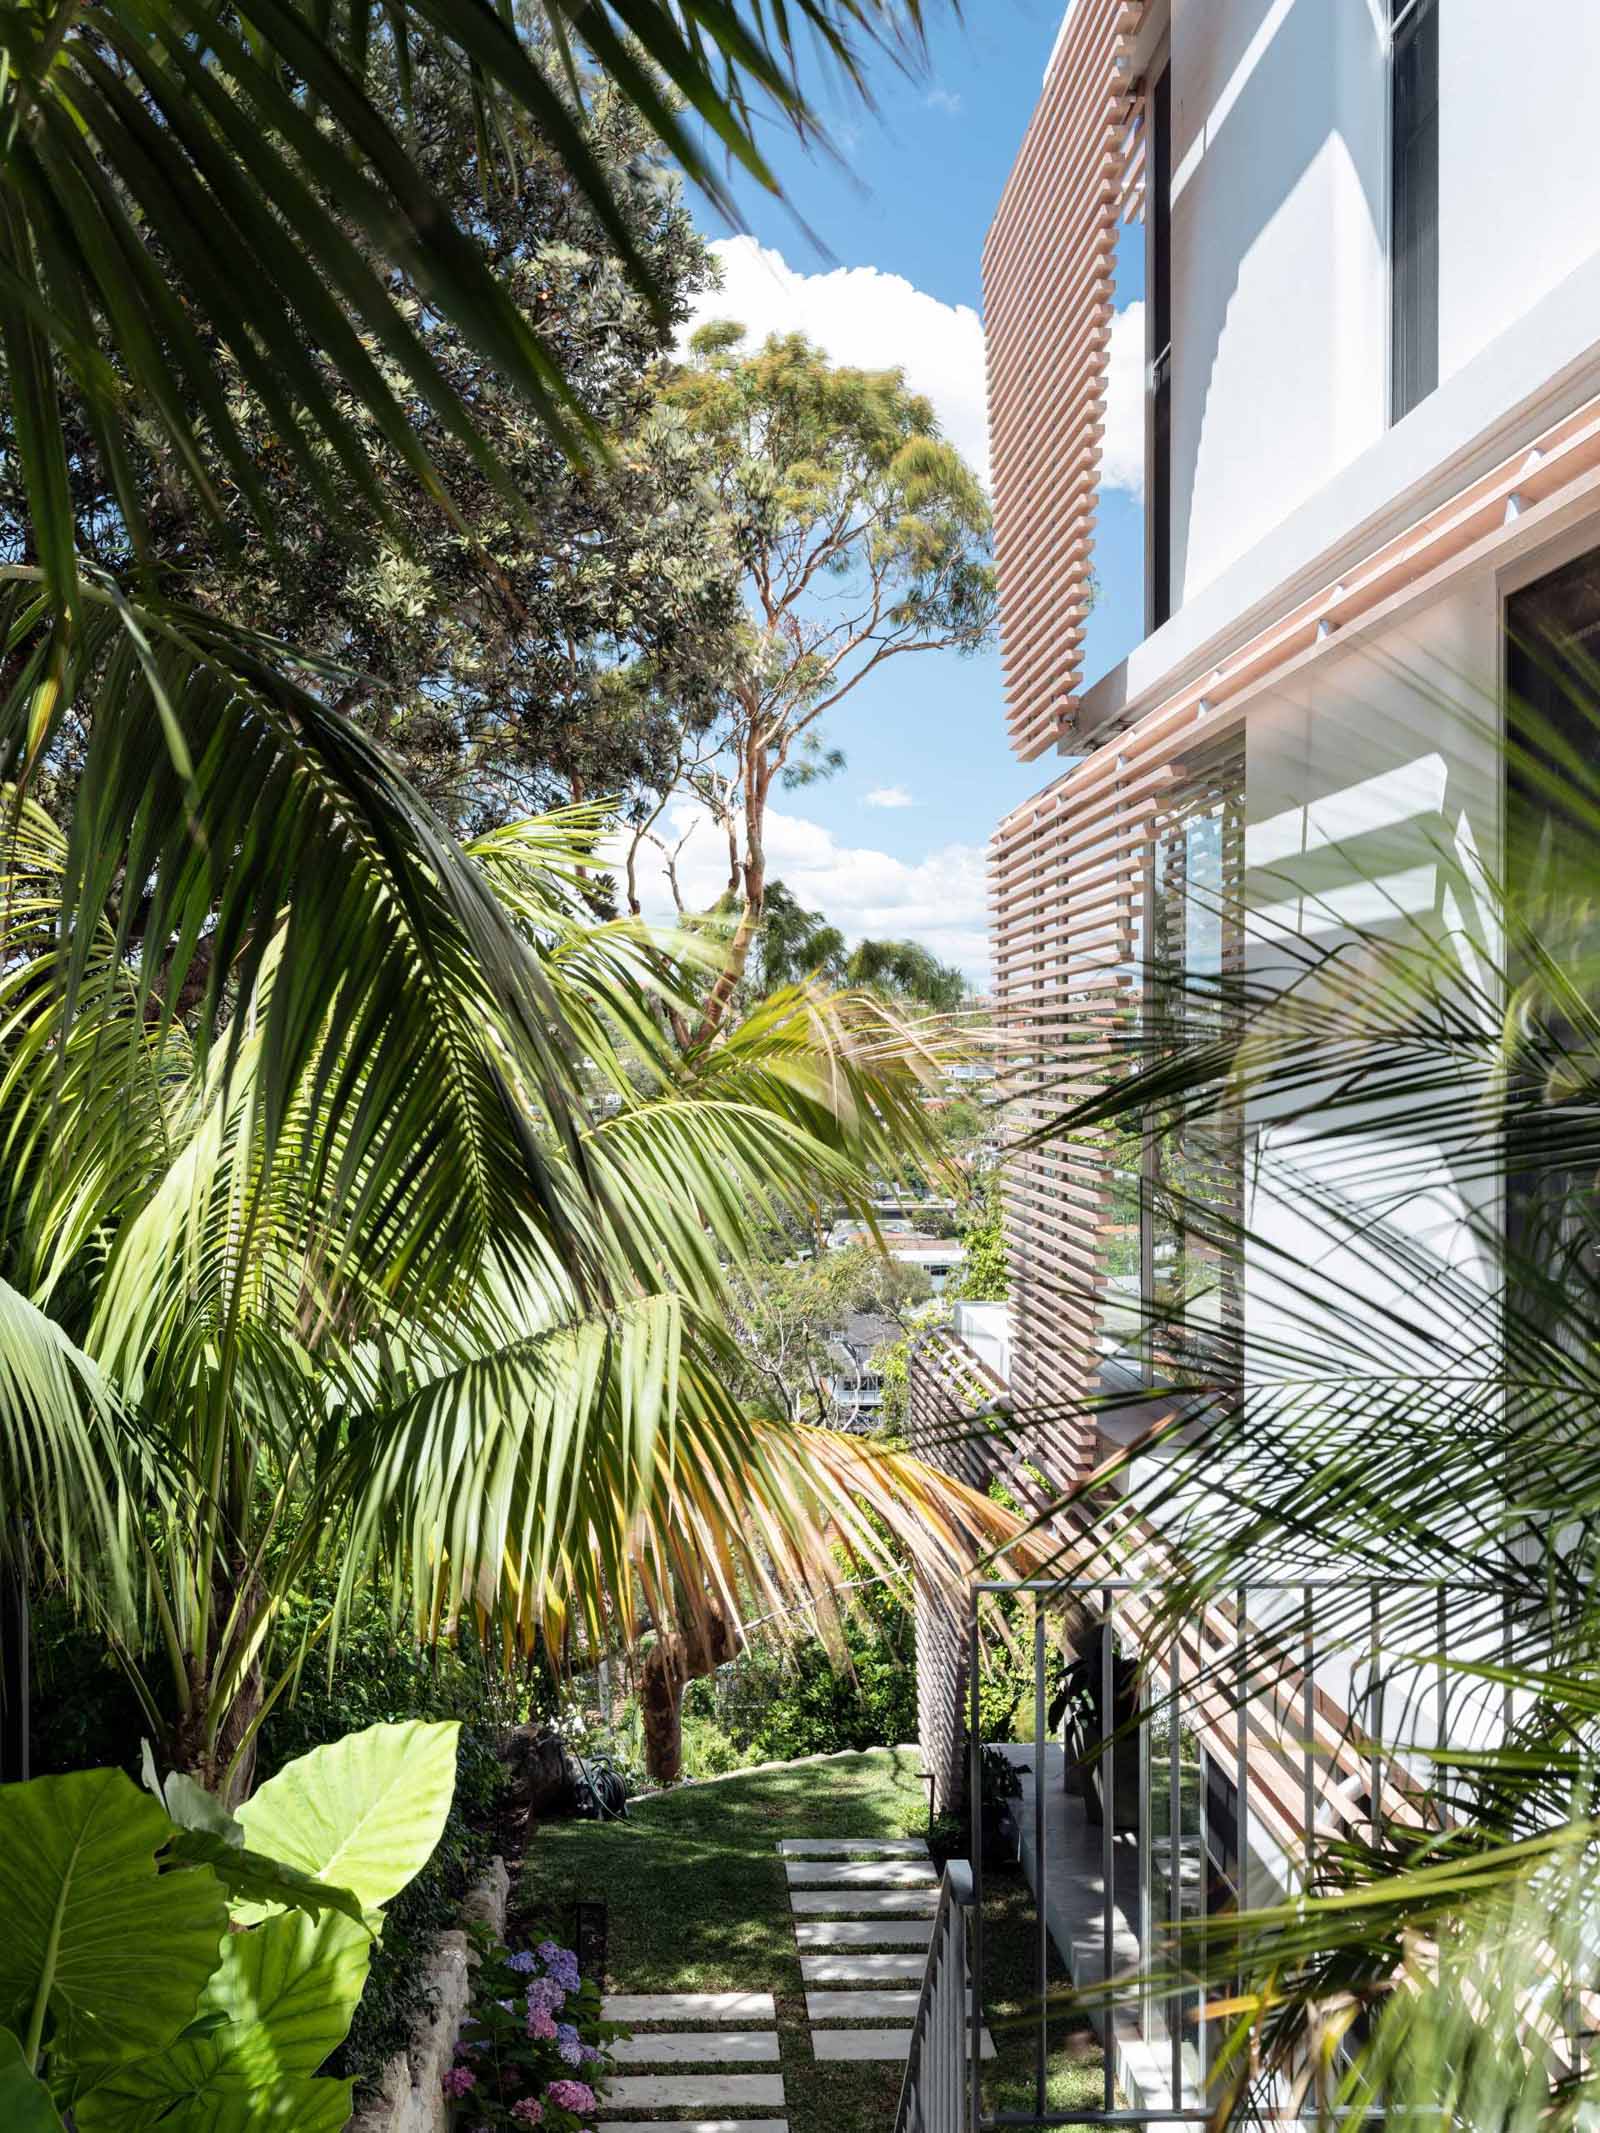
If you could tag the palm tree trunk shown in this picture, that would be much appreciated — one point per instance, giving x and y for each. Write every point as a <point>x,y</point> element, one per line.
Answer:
<point>666,1670</point>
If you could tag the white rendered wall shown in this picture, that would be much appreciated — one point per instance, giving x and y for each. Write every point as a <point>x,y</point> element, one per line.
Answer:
<point>1280,285</point>
<point>1519,160</point>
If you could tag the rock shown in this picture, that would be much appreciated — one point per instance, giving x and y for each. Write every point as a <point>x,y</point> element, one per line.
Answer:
<point>411,2096</point>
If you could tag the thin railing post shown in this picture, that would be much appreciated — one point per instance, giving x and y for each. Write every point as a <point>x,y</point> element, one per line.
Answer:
<point>1041,2041</point>
<point>1175,1871</point>
<point>975,1979</point>
<point>1108,1830</point>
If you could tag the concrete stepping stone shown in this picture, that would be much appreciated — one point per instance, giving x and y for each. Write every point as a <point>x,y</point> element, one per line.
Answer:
<point>861,1874</point>
<point>872,2044</point>
<point>696,2125</point>
<point>863,1932</point>
<point>852,1968</point>
<point>861,2006</point>
<point>864,1903</point>
<point>726,2047</point>
<point>694,2092</point>
<point>745,2007</point>
<point>853,1848</point>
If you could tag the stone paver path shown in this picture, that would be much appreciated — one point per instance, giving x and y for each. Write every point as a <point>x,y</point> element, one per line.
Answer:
<point>699,2037</point>
<point>853,1899</point>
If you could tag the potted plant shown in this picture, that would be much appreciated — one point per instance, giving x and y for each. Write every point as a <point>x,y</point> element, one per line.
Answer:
<point>999,1783</point>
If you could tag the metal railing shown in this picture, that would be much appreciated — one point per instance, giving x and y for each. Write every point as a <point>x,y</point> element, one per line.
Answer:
<point>940,2085</point>
<point>1207,1762</point>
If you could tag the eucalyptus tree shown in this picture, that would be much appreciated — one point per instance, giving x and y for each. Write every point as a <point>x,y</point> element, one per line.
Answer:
<point>863,537</point>
<point>1414,1406</point>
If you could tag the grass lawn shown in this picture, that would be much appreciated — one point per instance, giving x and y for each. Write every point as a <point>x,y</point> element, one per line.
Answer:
<point>698,1902</point>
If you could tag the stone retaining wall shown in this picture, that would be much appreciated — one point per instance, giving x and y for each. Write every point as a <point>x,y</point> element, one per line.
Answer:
<point>411,2096</point>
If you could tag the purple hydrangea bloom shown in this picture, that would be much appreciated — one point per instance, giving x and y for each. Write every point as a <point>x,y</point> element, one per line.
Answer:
<point>459,2080</point>
<point>591,2052</point>
<point>561,1964</point>
<point>571,2095</point>
<point>522,1961</point>
<point>545,1992</point>
<point>542,2024</point>
<point>529,2112</point>
<point>569,2044</point>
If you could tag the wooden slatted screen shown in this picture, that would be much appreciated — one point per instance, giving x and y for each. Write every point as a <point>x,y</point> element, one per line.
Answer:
<point>1067,875</point>
<point>1048,271</point>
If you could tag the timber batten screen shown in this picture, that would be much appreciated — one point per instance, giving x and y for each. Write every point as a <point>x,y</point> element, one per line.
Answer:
<point>1067,889</point>
<point>1048,273</point>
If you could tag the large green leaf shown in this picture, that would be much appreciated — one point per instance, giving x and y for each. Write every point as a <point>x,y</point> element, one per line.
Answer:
<point>285,1993</point>
<point>25,2105</point>
<point>364,1812</point>
<point>96,1942</point>
<point>251,1879</point>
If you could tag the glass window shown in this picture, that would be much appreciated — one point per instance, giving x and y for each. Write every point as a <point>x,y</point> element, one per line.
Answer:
<point>1413,202</point>
<point>1552,832</point>
<point>1160,191</point>
<point>1193,1161</point>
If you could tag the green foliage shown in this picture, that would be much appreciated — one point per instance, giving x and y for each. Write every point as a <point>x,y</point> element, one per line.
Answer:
<point>776,1705</point>
<point>142,1992</point>
<point>511,2053</point>
<point>985,1275</point>
<point>25,2105</point>
<point>102,1957</point>
<point>864,538</point>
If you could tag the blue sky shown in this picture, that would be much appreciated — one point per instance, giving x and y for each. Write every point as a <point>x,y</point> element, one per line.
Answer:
<point>912,197</point>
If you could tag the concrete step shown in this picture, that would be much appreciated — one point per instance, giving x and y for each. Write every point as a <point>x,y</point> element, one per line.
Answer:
<point>696,2125</point>
<point>863,1932</point>
<point>853,1848</point>
<point>694,2092</point>
<point>872,2043</point>
<point>861,1874</point>
<point>864,1903</point>
<point>863,1969</point>
<point>862,2006</point>
<point>690,2007</point>
<point>709,2047</point>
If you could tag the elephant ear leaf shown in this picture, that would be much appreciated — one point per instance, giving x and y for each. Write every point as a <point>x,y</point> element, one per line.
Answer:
<point>252,1880</point>
<point>363,1813</point>
<point>101,1954</point>
<point>25,2105</point>
<point>280,2002</point>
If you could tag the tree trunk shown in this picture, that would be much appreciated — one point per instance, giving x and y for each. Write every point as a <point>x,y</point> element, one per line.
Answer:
<point>666,1670</point>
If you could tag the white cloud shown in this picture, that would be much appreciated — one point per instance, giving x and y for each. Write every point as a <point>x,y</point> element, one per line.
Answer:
<point>1122,449</point>
<point>890,796</point>
<point>946,100</point>
<point>864,316</point>
<point>940,900</point>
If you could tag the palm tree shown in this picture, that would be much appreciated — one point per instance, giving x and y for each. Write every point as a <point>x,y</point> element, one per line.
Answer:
<point>1416,1409</point>
<point>243,1348</point>
<point>192,197</point>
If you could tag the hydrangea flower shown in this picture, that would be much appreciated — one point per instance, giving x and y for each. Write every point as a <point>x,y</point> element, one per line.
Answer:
<point>542,2023</point>
<point>561,1964</point>
<point>571,2095</point>
<point>529,2112</point>
<point>459,2080</point>
<point>545,1992</point>
<point>522,1961</point>
<point>591,2052</point>
<point>569,2044</point>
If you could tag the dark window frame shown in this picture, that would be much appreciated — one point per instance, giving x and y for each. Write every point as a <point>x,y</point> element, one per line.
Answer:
<point>1413,203</point>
